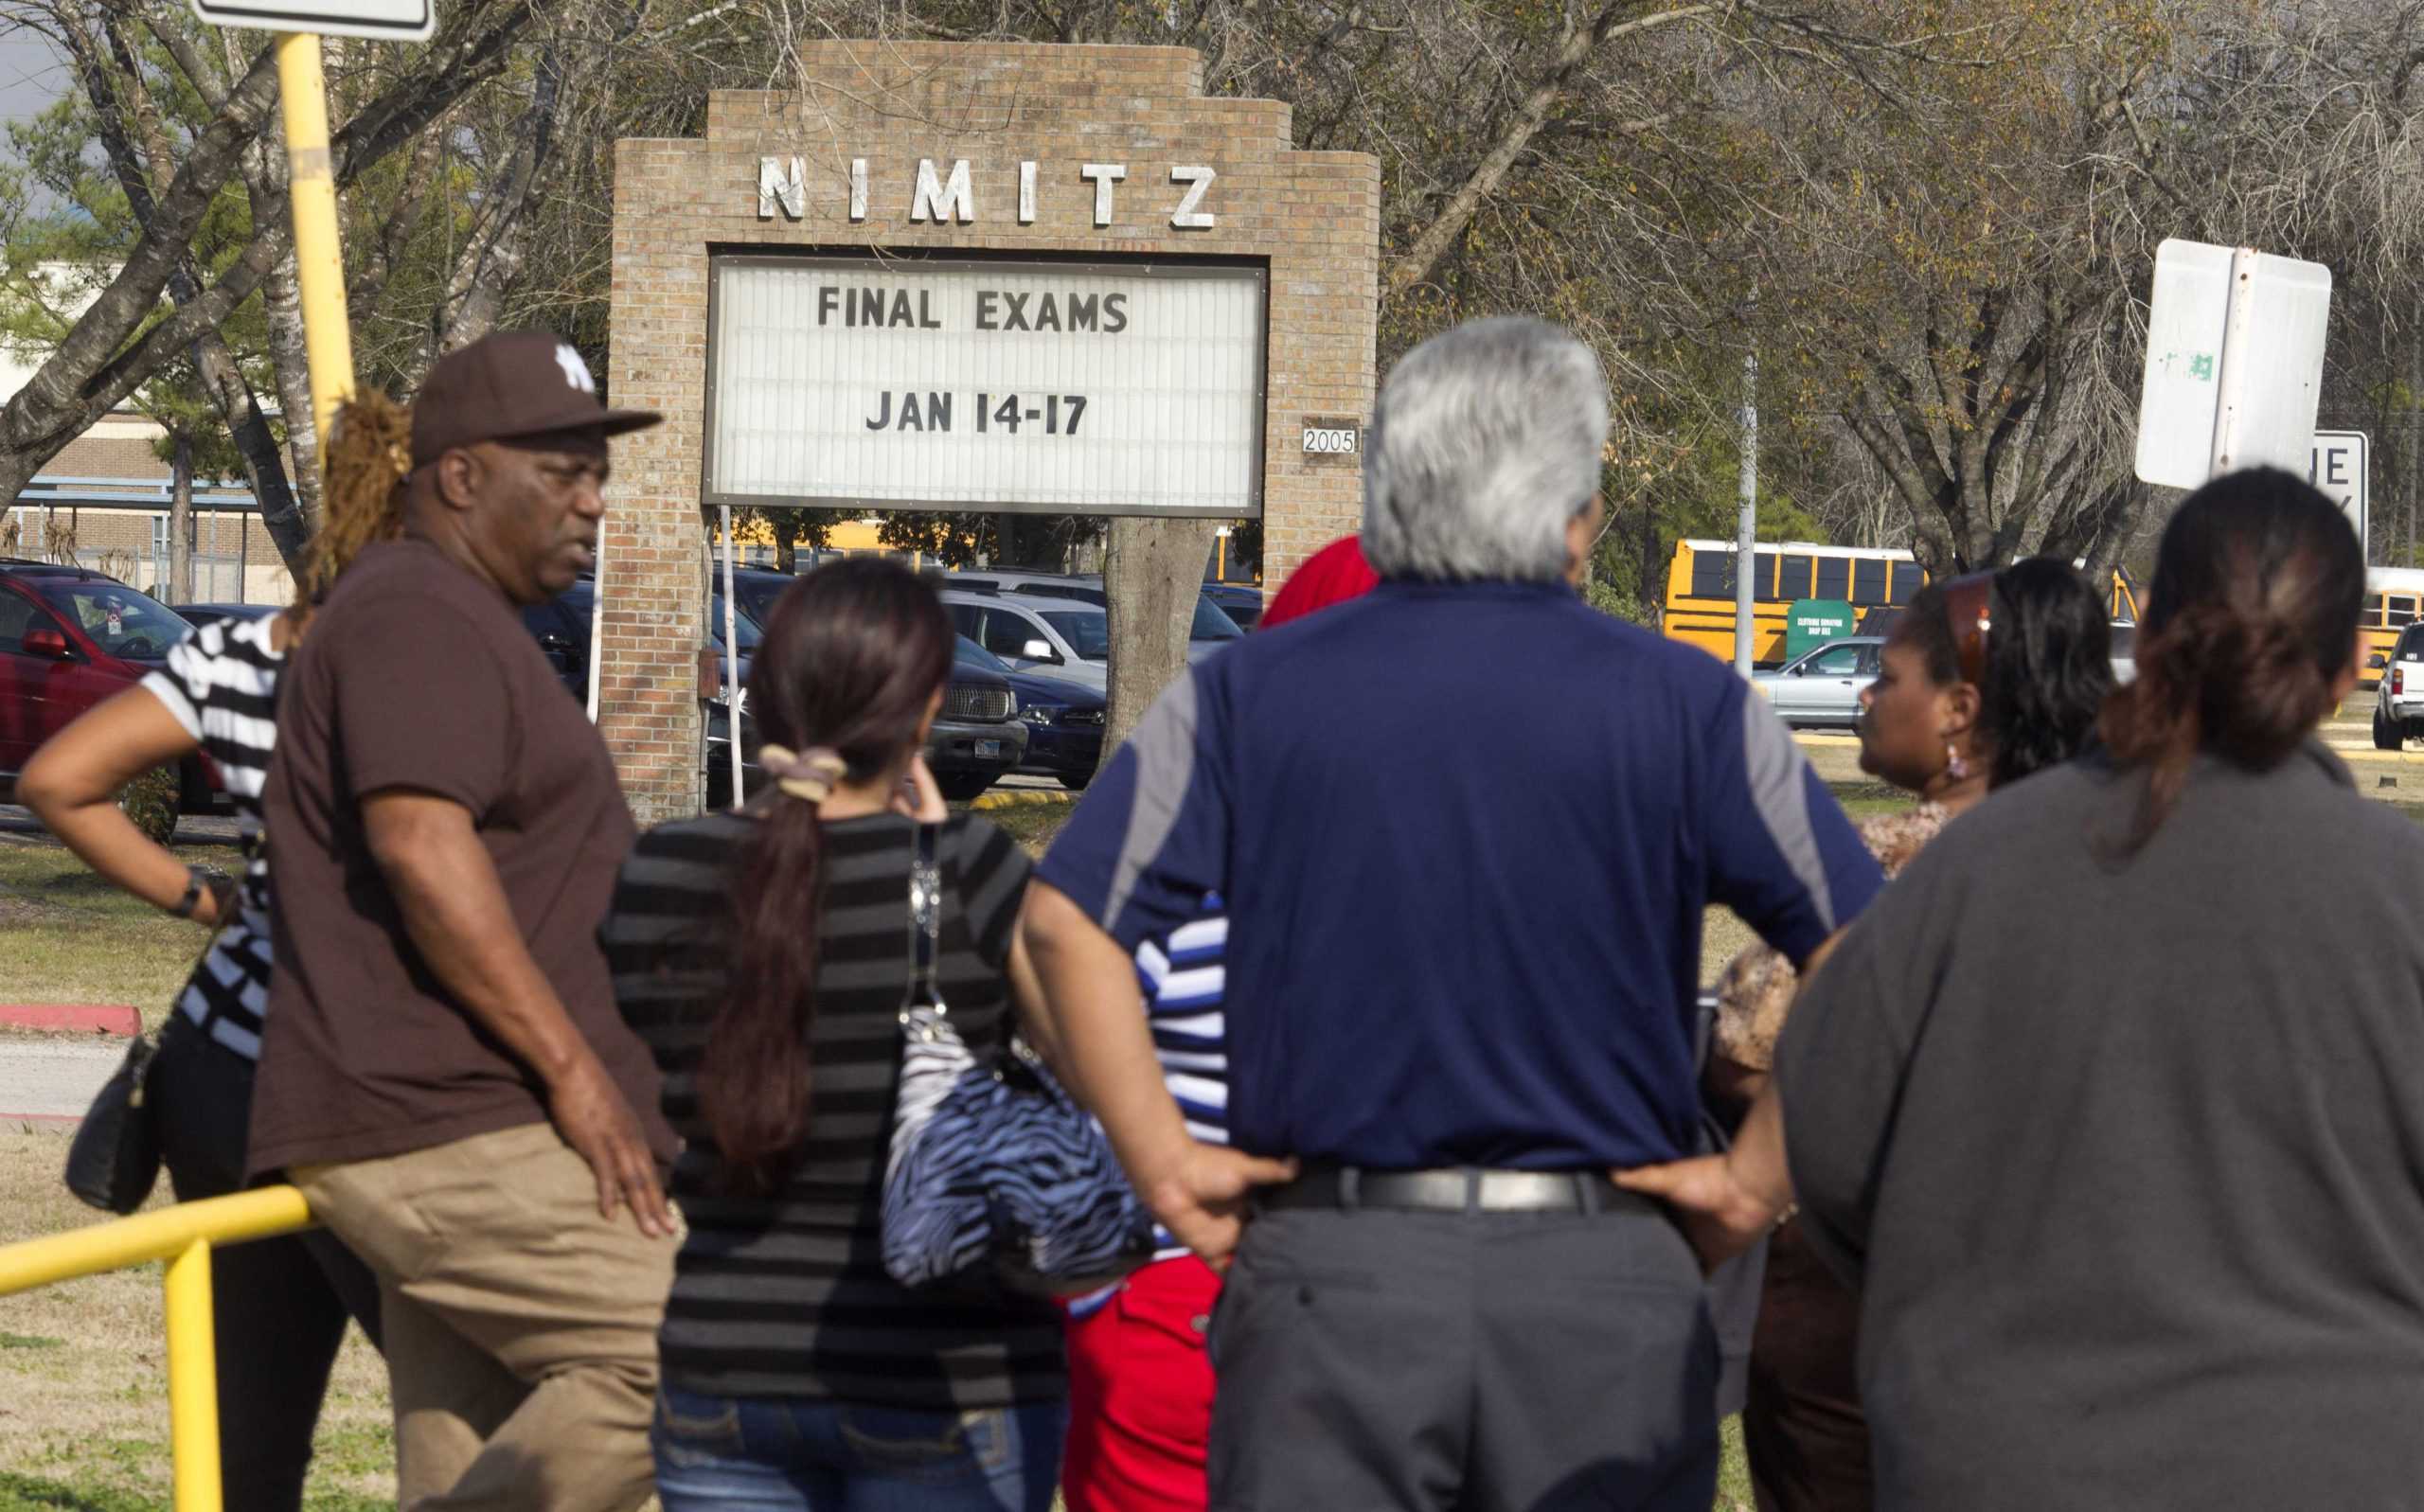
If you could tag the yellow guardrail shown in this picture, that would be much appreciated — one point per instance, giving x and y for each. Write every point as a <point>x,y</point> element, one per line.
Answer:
<point>182,1235</point>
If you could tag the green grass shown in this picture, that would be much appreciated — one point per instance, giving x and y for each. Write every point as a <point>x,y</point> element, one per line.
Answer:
<point>75,938</point>
<point>1032,825</point>
<point>28,1493</point>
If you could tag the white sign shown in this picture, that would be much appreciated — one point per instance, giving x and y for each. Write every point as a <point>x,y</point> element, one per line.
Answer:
<point>2338,465</point>
<point>2234,363</point>
<point>1331,440</point>
<point>382,20</point>
<point>978,387</point>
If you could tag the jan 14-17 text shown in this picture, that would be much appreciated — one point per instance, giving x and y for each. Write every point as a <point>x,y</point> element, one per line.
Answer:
<point>930,412</point>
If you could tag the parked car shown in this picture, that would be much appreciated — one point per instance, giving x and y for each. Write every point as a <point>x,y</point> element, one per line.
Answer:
<point>1063,719</point>
<point>1058,637</point>
<point>201,615</point>
<point>69,638</point>
<point>2399,698</point>
<point>1241,602</point>
<point>719,758</point>
<point>1822,687</point>
<point>978,739</point>
<point>1215,623</point>
<point>757,588</point>
<point>1084,587</point>
<point>560,625</point>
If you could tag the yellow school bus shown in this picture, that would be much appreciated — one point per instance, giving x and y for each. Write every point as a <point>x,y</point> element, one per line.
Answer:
<point>2394,596</point>
<point>1699,589</point>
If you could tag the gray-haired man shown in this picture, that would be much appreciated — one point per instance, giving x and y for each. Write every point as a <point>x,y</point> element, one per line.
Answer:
<point>1466,827</point>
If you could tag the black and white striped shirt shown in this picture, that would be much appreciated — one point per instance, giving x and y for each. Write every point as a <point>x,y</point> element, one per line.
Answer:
<point>786,1295</point>
<point>220,683</point>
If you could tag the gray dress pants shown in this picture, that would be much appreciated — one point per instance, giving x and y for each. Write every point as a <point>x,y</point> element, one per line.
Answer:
<point>1378,1361</point>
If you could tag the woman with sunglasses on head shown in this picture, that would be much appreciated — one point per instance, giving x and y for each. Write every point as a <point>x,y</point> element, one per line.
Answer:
<point>1984,681</point>
<point>2107,1106</point>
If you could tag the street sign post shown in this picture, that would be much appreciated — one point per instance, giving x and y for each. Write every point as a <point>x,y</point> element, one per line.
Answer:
<point>2234,370</point>
<point>311,190</point>
<point>2339,465</point>
<point>380,19</point>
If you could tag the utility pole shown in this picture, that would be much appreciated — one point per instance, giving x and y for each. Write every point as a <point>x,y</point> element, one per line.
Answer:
<point>1746,528</point>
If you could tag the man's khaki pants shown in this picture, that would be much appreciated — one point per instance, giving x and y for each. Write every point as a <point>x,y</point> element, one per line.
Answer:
<point>521,1327</point>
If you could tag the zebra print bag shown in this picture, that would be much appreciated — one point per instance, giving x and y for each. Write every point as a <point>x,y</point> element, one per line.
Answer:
<point>993,1165</point>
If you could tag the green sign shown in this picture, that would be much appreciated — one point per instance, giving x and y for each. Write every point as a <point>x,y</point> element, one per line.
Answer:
<point>1809,621</point>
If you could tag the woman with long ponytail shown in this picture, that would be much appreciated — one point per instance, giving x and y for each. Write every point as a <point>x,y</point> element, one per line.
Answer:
<point>762,953</point>
<point>2105,1106</point>
<point>279,1305</point>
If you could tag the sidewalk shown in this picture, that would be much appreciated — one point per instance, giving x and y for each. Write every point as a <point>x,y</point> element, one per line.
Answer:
<point>52,1081</point>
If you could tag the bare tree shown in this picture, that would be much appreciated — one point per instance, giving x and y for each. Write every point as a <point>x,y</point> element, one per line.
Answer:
<point>120,342</point>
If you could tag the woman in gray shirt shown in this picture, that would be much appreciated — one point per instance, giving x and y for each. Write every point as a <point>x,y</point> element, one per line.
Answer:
<point>2109,1105</point>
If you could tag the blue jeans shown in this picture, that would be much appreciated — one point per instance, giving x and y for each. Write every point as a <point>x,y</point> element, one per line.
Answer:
<point>773,1454</point>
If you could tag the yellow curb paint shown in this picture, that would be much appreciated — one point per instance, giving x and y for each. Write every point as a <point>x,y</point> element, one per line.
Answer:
<point>1018,797</point>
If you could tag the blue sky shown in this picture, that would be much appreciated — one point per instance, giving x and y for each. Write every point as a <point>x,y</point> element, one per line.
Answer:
<point>31,73</point>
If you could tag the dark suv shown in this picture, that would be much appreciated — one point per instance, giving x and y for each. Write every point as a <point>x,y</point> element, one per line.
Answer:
<point>977,739</point>
<point>69,638</point>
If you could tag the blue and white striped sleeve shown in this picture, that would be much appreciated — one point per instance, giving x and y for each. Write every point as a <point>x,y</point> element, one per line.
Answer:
<point>183,684</point>
<point>1151,839</point>
<point>1782,854</point>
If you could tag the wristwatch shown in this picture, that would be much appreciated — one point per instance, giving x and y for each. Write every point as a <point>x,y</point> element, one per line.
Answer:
<point>200,880</point>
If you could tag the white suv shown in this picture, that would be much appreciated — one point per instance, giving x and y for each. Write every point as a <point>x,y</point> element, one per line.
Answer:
<point>1066,638</point>
<point>2399,698</point>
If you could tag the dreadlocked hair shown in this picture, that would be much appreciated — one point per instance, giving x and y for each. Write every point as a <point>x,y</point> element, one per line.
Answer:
<point>369,456</point>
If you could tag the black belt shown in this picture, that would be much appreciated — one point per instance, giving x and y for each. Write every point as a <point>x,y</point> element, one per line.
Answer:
<point>1455,1189</point>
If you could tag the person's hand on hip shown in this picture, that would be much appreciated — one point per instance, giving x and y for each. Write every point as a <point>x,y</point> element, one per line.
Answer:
<point>1721,1214</point>
<point>1201,1199</point>
<point>591,1113</point>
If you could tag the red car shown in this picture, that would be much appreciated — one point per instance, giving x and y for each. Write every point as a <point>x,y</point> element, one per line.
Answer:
<point>70,637</point>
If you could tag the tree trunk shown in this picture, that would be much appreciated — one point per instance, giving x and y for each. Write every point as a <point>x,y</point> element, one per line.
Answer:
<point>785,525</point>
<point>2410,445</point>
<point>181,522</point>
<point>1152,575</point>
<point>282,309</point>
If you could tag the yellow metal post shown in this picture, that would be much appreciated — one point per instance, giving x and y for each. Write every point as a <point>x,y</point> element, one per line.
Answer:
<point>319,264</point>
<point>193,1381</point>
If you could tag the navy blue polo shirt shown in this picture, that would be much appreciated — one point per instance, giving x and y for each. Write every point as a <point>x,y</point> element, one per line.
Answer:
<point>1466,832</point>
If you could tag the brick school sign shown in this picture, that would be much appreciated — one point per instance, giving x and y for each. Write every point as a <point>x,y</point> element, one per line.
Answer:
<point>980,277</point>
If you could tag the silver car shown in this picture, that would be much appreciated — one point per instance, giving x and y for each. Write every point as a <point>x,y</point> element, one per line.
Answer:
<point>1822,687</point>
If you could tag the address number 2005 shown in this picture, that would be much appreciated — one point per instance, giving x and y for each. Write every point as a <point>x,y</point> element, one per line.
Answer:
<point>1331,441</point>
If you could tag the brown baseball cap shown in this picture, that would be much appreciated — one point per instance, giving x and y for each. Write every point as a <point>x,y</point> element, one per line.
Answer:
<point>513,383</point>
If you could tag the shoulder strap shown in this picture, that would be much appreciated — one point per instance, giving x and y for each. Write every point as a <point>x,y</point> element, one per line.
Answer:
<point>925,923</point>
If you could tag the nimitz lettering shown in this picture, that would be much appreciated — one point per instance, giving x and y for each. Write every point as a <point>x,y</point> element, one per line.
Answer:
<point>949,192</point>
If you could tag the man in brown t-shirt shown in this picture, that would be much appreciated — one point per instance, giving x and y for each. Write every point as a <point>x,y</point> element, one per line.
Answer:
<point>444,1074</point>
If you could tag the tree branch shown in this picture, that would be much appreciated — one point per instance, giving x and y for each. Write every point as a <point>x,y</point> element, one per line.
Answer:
<point>1422,258</point>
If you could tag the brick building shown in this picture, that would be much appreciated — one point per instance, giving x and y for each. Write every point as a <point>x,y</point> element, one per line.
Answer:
<point>920,158</point>
<point>107,492</point>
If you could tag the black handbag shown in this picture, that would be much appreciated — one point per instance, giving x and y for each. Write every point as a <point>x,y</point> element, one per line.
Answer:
<point>115,1159</point>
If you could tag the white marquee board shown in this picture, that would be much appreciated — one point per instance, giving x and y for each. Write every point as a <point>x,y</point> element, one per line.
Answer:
<point>986,385</point>
<point>383,20</point>
<point>2338,465</point>
<point>2234,371</point>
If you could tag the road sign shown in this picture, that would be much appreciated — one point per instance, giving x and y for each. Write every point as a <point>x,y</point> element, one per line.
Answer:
<point>2339,466</point>
<point>381,20</point>
<point>2234,362</point>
